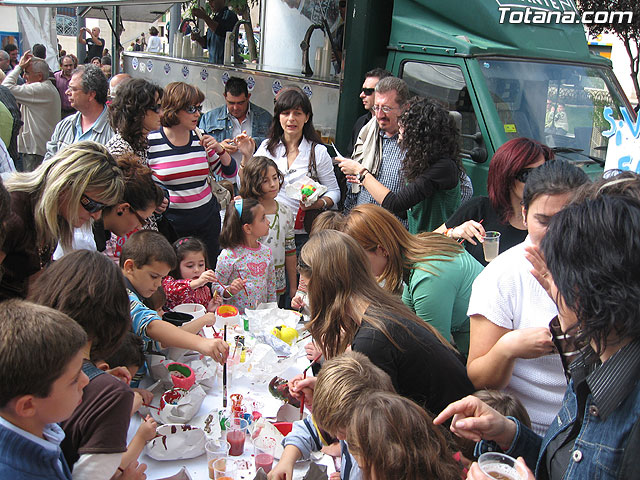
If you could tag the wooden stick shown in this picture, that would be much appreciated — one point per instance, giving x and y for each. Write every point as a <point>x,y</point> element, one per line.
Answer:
<point>224,373</point>
<point>304,375</point>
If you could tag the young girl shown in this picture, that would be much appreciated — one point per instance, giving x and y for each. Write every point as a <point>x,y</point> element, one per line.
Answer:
<point>245,266</point>
<point>392,437</point>
<point>188,282</point>
<point>261,180</point>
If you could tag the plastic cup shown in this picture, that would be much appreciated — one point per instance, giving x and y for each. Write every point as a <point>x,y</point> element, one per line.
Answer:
<point>491,245</point>
<point>225,469</point>
<point>237,429</point>
<point>264,449</point>
<point>215,452</point>
<point>500,466</point>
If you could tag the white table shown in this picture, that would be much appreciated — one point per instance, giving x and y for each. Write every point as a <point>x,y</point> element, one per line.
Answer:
<point>197,467</point>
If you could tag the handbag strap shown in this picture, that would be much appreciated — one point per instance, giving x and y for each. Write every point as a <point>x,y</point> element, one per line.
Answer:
<point>313,168</point>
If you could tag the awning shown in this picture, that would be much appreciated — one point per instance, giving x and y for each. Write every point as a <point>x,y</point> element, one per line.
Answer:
<point>146,11</point>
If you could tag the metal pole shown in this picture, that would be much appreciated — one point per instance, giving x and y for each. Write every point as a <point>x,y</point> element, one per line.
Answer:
<point>81,49</point>
<point>174,23</point>
<point>115,41</point>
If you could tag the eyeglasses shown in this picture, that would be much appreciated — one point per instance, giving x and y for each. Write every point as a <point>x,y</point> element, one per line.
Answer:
<point>156,108</point>
<point>385,109</point>
<point>90,205</point>
<point>368,91</point>
<point>142,221</point>
<point>523,174</point>
<point>193,109</point>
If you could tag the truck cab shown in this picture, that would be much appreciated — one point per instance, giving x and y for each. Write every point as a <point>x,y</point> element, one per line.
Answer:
<point>501,81</point>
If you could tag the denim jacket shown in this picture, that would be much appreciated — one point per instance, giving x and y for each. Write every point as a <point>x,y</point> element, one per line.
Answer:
<point>608,442</point>
<point>217,123</point>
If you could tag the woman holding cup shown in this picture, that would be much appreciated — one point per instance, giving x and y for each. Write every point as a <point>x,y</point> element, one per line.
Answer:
<point>500,211</point>
<point>510,346</point>
<point>593,278</point>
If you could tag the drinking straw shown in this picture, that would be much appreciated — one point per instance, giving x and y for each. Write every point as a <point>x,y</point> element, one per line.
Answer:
<point>304,375</point>
<point>224,373</point>
<point>461,241</point>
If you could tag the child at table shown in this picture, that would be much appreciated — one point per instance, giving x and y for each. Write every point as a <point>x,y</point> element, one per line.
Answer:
<point>89,288</point>
<point>245,267</point>
<point>130,356</point>
<point>41,354</point>
<point>392,437</point>
<point>190,281</point>
<point>262,181</point>
<point>146,258</point>
<point>341,385</point>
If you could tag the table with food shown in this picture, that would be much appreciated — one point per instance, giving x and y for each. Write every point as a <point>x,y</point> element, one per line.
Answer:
<point>228,421</point>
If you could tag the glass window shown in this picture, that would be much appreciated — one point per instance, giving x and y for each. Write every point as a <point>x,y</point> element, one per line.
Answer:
<point>557,104</point>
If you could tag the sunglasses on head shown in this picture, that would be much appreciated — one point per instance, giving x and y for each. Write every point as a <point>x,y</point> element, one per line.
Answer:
<point>523,174</point>
<point>193,109</point>
<point>90,205</point>
<point>155,108</point>
<point>368,91</point>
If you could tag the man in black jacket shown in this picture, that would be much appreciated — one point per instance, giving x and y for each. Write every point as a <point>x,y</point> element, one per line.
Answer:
<point>368,96</point>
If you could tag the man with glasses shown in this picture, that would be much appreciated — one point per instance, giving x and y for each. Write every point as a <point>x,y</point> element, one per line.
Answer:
<point>87,93</point>
<point>238,115</point>
<point>40,107</point>
<point>367,95</point>
<point>377,147</point>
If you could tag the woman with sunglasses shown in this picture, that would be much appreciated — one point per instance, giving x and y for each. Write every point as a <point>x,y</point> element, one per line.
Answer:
<point>510,346</point>
<point>142,196</point>
<point>133,113</point>
<point>431,167</point>
<point>500,210</point>
<point>47,204</point>
<point>181,163</point>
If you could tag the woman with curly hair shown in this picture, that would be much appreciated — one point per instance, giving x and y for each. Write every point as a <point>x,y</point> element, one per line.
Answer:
<point>501,210</point>
<point>431,168</point>
<point>433,273</point>
<point>134,113</point>
<point>392,437</point>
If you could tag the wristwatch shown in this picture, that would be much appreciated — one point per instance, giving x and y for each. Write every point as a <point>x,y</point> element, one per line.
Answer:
<point>363,173</point>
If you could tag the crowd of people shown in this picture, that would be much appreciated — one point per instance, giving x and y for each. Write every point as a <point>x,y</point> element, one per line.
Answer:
<point>130,199</point>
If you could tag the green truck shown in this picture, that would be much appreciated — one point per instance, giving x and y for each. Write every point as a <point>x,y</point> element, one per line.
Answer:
<point>499,80</point>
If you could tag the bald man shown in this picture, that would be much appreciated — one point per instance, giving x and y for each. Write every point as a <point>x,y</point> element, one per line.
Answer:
<point>115,82</point>
<point>95,44</point>
<point>40,107</point>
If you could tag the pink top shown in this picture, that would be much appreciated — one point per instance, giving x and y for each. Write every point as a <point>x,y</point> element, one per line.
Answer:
<point>255,266</point>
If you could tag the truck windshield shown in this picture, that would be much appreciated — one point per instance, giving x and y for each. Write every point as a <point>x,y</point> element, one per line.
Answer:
<point>560,105</point>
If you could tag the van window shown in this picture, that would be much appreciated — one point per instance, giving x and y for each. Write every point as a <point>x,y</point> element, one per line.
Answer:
<point>557,104</point>
<point>446,85</point>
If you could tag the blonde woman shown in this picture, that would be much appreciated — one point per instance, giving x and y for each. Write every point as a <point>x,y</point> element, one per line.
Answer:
<point>433,272</point>
<point>348,307</point>
<point>64,193</point>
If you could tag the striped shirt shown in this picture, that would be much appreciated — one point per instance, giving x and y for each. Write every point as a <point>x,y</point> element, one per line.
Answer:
<point>183,171</point>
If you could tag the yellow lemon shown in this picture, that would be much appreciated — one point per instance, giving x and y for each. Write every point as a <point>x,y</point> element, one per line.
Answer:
<point>284,333</point>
